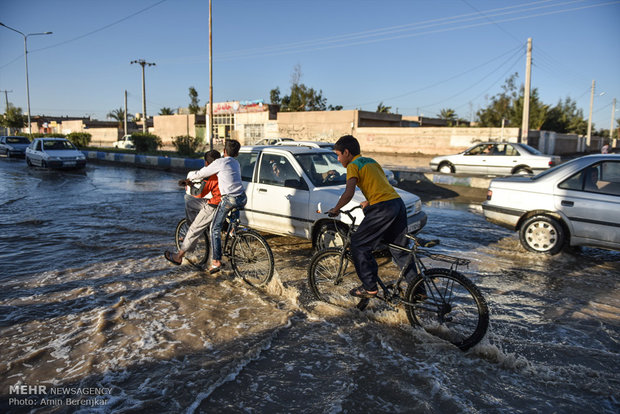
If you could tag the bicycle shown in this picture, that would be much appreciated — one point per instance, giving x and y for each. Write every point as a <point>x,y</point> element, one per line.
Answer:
<point>248,252</point>
<point>441,300</point>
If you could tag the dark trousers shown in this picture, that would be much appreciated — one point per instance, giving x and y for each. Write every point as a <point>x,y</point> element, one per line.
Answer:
<point>385,221</point>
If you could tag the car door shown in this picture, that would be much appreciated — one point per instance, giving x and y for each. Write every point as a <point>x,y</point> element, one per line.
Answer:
<point>37,155</point>
<point>590,200</point>
<point>474,161</point>
<point>505,158</point>
<point>280,196</point>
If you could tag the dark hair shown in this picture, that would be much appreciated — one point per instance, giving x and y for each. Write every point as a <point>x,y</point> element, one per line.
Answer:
<point>348,142</point>
<point>212,155</point>
<point>231,147</point>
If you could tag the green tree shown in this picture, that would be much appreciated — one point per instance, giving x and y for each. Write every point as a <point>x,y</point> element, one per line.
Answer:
<point>565,117</point>
<point>146,142</point>
<point>301,97</point>
<point>79,139</point>
<point>449,115</point>
<point>194,107</point>
<point>13,118</point>
<point>508,105</point>
<point>384,109</point>
<point>118,115</point>
<point>166,111</point>
<point>334,108</point>
<point>186,145</point>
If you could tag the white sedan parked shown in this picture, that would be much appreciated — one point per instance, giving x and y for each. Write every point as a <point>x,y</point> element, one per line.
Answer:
<point>576,203</point>
<point>54,153</point>
<point>289,190</point>
<point>495,158</point>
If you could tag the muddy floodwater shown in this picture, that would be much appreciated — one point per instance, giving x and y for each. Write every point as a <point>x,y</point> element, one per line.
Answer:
<point>94,319</point>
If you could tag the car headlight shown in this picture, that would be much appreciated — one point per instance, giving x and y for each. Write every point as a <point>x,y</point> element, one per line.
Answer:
<point>418,206</point>
<point>81,157</point>
<point>54,159</point>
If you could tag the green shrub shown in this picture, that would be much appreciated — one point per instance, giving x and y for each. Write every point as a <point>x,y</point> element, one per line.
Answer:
<point>186,145</point>
<point>79,139</point>
<point>146,142</point>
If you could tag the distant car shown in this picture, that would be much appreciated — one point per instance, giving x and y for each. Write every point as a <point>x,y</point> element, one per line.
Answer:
<point>576,203</point>
<point>330,146</point>
<point>54,153</point>
<point>272,141</point>
<point>125,143</point>
<point>290,188</point>
<point>14,146</point>
<point>495,158</point>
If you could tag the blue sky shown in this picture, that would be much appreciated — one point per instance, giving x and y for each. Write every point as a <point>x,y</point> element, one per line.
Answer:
<point>415,56</point>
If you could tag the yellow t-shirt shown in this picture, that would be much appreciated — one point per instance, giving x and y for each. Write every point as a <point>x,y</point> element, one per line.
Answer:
<point>371,180</point>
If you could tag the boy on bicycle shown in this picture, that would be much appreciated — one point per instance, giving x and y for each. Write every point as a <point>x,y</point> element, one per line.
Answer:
<point>385,215</point>
<point>228,173</point>
<point>207,207</point>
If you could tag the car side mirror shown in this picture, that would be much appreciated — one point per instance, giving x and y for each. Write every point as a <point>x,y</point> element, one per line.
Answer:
<point>296,183</point>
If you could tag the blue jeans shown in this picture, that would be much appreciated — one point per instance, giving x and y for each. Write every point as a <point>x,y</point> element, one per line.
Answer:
<point>228,203</point>
<point>385,221</point>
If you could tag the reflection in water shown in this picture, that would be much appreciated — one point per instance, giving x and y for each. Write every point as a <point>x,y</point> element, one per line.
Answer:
<point>89,301</point>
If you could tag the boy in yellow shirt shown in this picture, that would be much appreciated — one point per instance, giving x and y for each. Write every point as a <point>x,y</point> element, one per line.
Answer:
<point>385,215</point>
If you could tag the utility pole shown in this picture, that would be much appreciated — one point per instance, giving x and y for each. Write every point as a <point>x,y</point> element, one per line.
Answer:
<point>6,98</point>
<point>210,127</point>
<point>589,136</point>
<point>143,63</point>
<point>125,120</point>
<point>525,127</point>
<point>611,126</point>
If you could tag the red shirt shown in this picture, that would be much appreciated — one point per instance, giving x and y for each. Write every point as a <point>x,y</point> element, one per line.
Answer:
<point>211,186</point>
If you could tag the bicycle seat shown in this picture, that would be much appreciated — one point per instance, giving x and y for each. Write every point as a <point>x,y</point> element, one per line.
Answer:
<point>422,242</point>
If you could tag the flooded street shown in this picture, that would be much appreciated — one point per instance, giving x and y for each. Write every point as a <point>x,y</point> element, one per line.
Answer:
<point>91,311</point>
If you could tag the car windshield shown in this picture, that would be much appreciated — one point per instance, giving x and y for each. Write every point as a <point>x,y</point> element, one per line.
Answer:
<point>57,145</point>
<point>17,140</point>
<point>323,168</point>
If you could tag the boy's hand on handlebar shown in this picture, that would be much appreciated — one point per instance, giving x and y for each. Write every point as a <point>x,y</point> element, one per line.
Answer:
<point>364,204</point>
<point>184,182</point>
<point>333,212</point>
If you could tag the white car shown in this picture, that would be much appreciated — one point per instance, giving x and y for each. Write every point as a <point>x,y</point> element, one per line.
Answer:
<point>330,146</point>
<point>576,203</point>
<point>495,158</point>
<point>54,153</point>
<point>273,141</point>
<point>289,190</point>
<point>125,143</point>
<point>13,146</point>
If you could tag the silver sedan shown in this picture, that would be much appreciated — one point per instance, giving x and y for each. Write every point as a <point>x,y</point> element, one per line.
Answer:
<point>576,203</point>
<point>495,158</point>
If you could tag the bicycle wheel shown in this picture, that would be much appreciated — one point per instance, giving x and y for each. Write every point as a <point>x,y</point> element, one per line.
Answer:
<point>449,306</point>
<point>200,253</point>
<point>329,281</point>
<point>251,258</point>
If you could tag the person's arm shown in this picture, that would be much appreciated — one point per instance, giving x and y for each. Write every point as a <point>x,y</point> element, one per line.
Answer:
<point>348,194</point>
<point>204,172</point>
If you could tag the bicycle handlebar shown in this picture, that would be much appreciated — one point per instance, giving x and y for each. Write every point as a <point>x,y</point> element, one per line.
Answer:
<point>346,212</point>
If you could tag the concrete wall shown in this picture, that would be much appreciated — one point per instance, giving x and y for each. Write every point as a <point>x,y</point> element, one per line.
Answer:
<point>102,137</point>
<point>428,140</point>
<point>169,126</point>
<point>316,126</point>
<point>248,125</point>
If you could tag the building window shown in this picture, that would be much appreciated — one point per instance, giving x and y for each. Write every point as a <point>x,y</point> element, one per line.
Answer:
<point>253,132</point>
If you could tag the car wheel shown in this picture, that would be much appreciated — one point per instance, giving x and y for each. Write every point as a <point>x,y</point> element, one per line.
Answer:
<point>327,236</point>
<point>542,234</point>
<point>28,162</point>
<point>446,168</point>
<point>523,171</point>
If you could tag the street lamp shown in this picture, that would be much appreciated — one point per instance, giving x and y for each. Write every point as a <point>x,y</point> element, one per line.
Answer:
<point>26,58</point>
<point>143,63</point>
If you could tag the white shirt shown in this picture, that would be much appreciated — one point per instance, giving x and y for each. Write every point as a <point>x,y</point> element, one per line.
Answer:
<point>228,173</point>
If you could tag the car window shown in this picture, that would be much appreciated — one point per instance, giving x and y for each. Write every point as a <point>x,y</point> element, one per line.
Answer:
<point>323,168</point>
<point>17,140</point>
<point>247,161</point>
<point>511,151</point>
<point>477,150</point>
<point>531,150</point>
<point>601,178</point>
<point>276,170</point>
<point>57,145</point>
<point>39,148</point>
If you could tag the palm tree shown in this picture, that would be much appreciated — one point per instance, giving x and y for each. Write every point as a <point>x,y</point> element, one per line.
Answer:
<point>383,108</point>
<point>166,111</point>
<point>449,115</point>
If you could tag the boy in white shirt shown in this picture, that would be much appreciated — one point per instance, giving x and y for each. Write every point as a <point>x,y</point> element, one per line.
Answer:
<point>228,173</point>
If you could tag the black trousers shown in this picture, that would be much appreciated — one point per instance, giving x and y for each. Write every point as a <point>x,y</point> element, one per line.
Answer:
<point>385,221</point>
